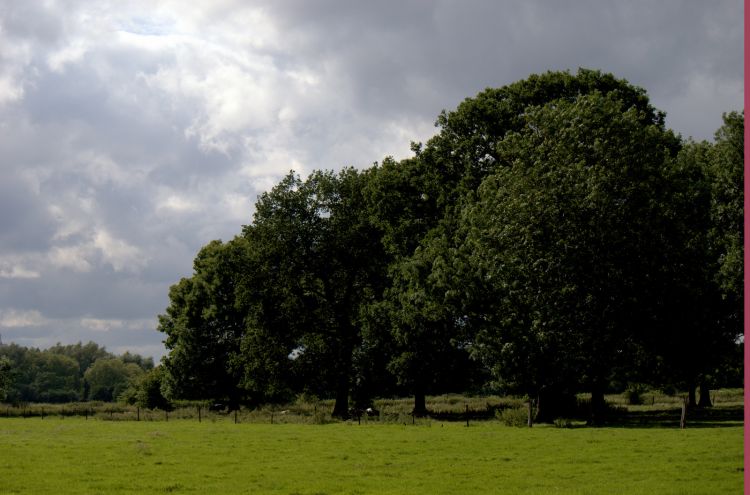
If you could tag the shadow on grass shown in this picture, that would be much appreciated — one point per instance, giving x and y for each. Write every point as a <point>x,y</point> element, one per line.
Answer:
<point>709,417</point>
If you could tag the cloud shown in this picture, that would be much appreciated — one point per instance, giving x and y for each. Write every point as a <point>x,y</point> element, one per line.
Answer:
<point>8,270</point>
<point>12,318</point>
<point>71,257</point>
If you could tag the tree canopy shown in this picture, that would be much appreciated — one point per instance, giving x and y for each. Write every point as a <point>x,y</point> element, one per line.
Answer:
<point>65,373</point>
<point>552,238</point>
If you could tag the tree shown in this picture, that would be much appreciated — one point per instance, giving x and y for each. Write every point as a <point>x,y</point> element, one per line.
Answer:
<point>5,377</point>
<point>204,326</point>
<point>417,203</point>
<point>726,170</point>
<point>109,378</point>
<point>84,354</point>
<point>145,390</point>
<point>321,255</point>
<point>570,239</point>
<point>718,170</point>
<point>465,150</point>
<point>55,378</point>
<point>430,352</point>
<point>145,363</point>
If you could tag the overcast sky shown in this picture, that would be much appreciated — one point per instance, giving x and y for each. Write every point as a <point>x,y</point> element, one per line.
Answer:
<point>132,136</point>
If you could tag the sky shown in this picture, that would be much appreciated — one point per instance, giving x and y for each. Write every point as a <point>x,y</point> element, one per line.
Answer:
<point>133,133</point>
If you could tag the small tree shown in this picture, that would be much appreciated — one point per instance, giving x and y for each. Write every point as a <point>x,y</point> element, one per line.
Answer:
<point>150,393</point>
<point>109,378</point>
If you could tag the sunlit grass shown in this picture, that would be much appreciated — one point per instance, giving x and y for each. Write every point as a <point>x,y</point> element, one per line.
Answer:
<point>73,455</point>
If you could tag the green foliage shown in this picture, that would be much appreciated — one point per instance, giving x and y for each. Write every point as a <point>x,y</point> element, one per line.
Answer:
<point>107,379</point>
<point>204,324</point>
<point>5,376</point>
<point>145,390</point>
<point>84,354</point>
<point>55,378</point>
<point>568,242</point>
<point>726,171</point>
<point>517,417</point>
<point>320,261</point>
<point>55,374</point>
<point>553,237</point>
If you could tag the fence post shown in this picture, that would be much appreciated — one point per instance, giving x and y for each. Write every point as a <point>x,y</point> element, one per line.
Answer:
<point>235,417</point>
<point>684,413</point>
<point>199,414</point>
<point>530,419</point>
<point>166,415</point>
<point>467,414</point>
<point>138,413</point>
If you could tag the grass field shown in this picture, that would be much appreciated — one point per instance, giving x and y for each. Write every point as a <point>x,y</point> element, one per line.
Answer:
<point>74,455</point>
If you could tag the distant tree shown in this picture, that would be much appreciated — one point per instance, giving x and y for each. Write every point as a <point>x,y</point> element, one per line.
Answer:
<point>84,354</point>
<point>22,373</point>
<point>5,376</point>
<point>55,378</point>
<point>145,363</point>
<point>109,378</point>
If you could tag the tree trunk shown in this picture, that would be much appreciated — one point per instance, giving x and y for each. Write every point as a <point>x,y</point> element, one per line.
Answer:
<point>530,416</point>
<point>341,407</point>
<point>705,396</point>
<point>552,404</point>
<point>420,404</point>
<point>598,406</point>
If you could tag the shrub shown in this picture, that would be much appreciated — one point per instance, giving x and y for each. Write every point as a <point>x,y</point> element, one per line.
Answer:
<point>563,422</point>
<point>513,416</point>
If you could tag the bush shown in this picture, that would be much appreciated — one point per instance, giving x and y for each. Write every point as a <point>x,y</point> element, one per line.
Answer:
<point>513,416</point>
<point>563,422</point>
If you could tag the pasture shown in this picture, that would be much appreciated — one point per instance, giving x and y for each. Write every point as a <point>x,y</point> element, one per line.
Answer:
<point>74,455</point>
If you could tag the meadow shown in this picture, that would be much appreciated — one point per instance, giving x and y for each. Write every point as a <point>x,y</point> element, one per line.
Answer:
<point>77,455</point>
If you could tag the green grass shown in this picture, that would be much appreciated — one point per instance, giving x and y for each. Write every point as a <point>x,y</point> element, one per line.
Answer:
<point>73,455</point>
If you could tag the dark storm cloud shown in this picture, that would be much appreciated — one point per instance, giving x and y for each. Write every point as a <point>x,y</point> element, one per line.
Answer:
<point>425,56</point>
<point>131,135</point>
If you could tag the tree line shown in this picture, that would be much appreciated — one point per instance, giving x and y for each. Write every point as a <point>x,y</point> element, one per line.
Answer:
<point>553,238</point>
<point>68,373</point>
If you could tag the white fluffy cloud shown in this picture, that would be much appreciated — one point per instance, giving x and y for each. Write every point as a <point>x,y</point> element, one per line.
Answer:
<point>132,133</point>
